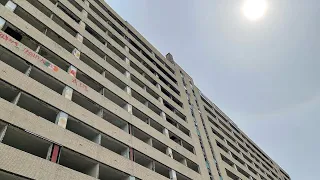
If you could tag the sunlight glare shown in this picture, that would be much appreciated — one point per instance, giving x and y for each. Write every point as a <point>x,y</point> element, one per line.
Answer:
<point>254,9</point>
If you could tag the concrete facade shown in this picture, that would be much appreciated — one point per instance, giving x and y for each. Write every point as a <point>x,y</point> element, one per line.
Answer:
<point>84,96</point>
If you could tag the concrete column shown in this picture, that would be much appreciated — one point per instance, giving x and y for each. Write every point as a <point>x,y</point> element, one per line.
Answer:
<point>160,100</point>
<point>84,13</point>
<point>128,75</point>
<point>173,174</point>
<point>2,22</point>
<point>11,6</point>
<point>16,99</point>
<point>76,53</point>
<point>152,166</point>
<point>127,48</point>
<point>166,132</point>
<point>128,107</point>
<point>146,104</point>
<point>128,90</point>
<point>126,153</point>
<point>130,178</point>
<point>149,141</point>
<point>67,92</point>
<point>158,86</point>
<point>27,73</point>
<point>235,167</point>
<point>72,71</point>
<point>82,24</point>
<point>184,161</point>
<point>148,121</point>
<point>86,2</point>
<point>3,132</point>
<point>61,119</point>
<point>79,37</point>
<point>97,139</point>
<point>169,152</point>
<point>94,171</point>
<point>126,128</point>
<point>127,60</point>
<point>163,115</point>
<point>100,113</point>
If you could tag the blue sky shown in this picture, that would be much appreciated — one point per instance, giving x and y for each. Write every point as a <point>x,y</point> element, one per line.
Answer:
<point>264,75</point>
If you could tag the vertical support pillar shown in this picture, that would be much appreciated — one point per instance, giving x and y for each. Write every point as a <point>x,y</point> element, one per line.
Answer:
<point>128,90</point>
<point>163,115</point>
<point>97,139</point>
<point>11,6</point>
<point>126,128</point>
<point>82,24</point>
<point>84,13</point>
<point>86,2</point>
<point>2,23</point>
<point>76,53</point>
<point>100,113</point>
<point>152,166</point>
<point>72,71</point>
<point>94,171</point>
<point>148,121</point>
<point>158,86</point>
<point>131,178</point>
<point>184,161</point>
<point>160,100</point>
<point>173,174</point>
<point>235,167</point>
<point>16,99</point>
<point>27,73</point>
<point>127,48</point>
<point>169,152</point>
<point>146,104</point>
<point>62,119</point>
<point>126,153</point>
<point>127,60</point>
<point>3,132</point>
<point>79,37</point>
<point>67,92</point>
<point>128,75</point>
<point>166,132</point>
<point>149,141</point>
<point>128,107</point>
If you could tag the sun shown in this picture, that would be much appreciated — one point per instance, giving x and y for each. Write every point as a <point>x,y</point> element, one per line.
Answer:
<point>254,9</point>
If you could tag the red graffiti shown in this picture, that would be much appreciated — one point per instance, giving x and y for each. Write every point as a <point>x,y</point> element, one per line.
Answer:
<point>36,56</point>
<point>8,38</point>
<point>80,84</point>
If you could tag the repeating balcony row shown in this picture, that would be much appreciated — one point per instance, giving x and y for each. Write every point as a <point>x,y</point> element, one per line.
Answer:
<point>235,160</point>
<point>236,133</point>
<point>92,83</point>
<point>91,103</point>
<point>104,25</point>
<point>124,30</point>
<point>95,47</point>
<point>50,113</point>
<point>246,159</point>
<point>41,145</point>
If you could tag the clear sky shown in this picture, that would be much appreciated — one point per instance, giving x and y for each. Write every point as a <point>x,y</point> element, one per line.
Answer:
<point>264,75</point>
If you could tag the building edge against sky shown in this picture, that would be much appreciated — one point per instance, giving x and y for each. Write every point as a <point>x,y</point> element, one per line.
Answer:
<point>84,96</point>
